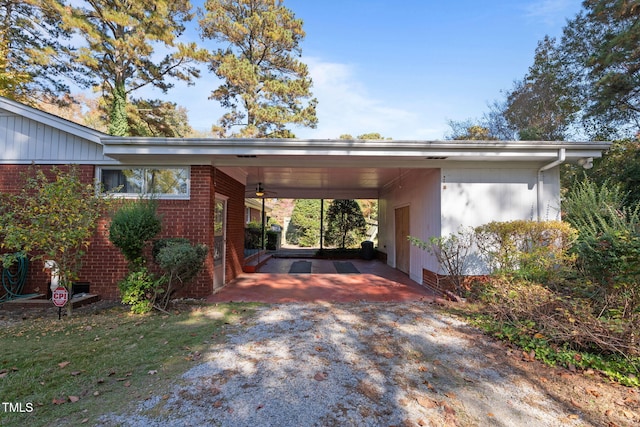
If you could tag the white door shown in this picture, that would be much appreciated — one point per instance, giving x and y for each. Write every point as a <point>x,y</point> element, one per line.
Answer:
<point>219,240</point>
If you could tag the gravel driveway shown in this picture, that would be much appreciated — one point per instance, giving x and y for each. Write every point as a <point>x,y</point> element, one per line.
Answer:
<point>359,364</point>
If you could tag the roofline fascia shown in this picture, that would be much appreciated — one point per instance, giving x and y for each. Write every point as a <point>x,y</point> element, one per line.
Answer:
<point>336,143</point>
<point>52,120</point>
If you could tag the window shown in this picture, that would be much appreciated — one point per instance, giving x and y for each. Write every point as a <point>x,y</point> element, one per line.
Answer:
<point>163,182</point>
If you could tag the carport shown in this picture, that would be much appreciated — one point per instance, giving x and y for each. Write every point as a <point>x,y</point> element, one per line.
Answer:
<point>424,188</point>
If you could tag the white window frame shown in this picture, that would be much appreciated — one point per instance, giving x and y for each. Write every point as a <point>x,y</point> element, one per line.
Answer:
<point>186,196</point>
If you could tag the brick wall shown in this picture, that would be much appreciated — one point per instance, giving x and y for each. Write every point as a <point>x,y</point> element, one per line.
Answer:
<point>442,283</point>
<point>227,186</point>
<point>104,265</point>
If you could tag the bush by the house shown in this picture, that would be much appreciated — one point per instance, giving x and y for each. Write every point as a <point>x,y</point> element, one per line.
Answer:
<point>181,262</point>
<point>535,250</point>
<point>132,226</point>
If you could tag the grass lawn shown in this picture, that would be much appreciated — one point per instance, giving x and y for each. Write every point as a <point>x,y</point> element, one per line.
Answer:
<point>71,371</point>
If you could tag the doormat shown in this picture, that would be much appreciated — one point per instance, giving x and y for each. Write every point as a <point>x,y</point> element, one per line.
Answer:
<point>300,267</point>
<point>345,267</point>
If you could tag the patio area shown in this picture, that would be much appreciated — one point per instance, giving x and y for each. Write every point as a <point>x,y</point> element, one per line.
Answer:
<point>282,280</point>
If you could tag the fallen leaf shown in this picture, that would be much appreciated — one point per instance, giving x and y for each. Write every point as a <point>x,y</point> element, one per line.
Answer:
<point>448,409</point>
<point>127,384</point>
<point>217,404</point>
<point>63,364</point>
<point>75,373</point>
<point>260,407</point>
<point>320,376</point>
<point>593,392</point>
<point>59,401</point>
<point>96,393</point>
<point>84,420</point>
<point>423,369</point>
<point>153,372</point>
<point>425,402</point>
<point>73,399</point>
<point>450,395</point>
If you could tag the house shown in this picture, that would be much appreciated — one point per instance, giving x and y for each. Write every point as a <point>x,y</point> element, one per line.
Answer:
<point>424,188</point>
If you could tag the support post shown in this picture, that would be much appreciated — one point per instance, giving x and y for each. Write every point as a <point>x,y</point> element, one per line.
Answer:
<point>321,223</point>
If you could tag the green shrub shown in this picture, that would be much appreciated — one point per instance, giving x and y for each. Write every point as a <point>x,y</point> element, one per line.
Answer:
<point>253,235</point>
<point>530,249</point>
<point>608,252</point>
<point>138,290</point>
<point>132,226</point>
<point>180,261</point>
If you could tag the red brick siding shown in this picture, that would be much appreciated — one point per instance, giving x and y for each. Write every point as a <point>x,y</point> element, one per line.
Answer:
<point>234,190</point>
<point>104,265</point>
<point>255,215</point>
<point>12,178</point>
<point>442,282</point>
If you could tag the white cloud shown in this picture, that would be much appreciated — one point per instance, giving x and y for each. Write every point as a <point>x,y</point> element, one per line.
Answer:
<point>345,106</point>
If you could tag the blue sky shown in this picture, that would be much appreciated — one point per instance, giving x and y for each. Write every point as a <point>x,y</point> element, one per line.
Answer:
<point>404,68</point>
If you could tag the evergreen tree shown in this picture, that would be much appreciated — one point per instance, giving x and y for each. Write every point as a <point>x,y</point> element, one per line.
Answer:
<point>304,228</point>
<point>32,54</point>
<point>122,39</point>
<point>346,225</point>
<point>265,86</point>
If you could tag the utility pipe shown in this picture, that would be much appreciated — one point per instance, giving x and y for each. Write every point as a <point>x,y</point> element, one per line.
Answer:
<point>561,158</point>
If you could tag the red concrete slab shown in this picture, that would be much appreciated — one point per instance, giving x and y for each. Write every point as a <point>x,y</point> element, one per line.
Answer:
<point>273,284</point>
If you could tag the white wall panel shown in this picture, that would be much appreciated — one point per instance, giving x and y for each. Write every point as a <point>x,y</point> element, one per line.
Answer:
<point>472,197</point>
<point>23,140</point>
<point>418,189</point>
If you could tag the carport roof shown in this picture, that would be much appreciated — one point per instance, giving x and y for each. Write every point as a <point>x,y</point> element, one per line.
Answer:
<point>317,168</point>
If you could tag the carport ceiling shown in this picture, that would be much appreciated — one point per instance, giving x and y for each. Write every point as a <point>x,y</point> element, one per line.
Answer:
<point>317,182</point>
<point>335,168</point>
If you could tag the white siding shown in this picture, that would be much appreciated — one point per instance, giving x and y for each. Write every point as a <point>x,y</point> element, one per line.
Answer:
<point>476,196</point>
<point>443,200</point>
<point>23,140</point>
<point>418,189</point>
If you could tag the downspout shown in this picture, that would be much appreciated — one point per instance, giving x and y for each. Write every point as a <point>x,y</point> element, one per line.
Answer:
<point>561,158</point>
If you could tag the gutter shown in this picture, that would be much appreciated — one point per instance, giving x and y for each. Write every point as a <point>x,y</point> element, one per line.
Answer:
<point>561,158</point>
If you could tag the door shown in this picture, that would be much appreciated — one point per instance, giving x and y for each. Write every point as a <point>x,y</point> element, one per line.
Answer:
<point>219,240</point>
<point>402,242</point>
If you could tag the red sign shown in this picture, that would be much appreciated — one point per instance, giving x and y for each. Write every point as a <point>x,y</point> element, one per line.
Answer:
<point>60,296</point>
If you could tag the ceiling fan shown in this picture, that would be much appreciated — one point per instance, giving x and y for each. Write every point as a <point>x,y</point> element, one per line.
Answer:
<point>259,192</point>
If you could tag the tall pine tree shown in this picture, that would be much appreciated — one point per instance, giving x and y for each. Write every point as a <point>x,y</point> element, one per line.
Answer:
<point>121,43</point>
<point>265,86</point>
